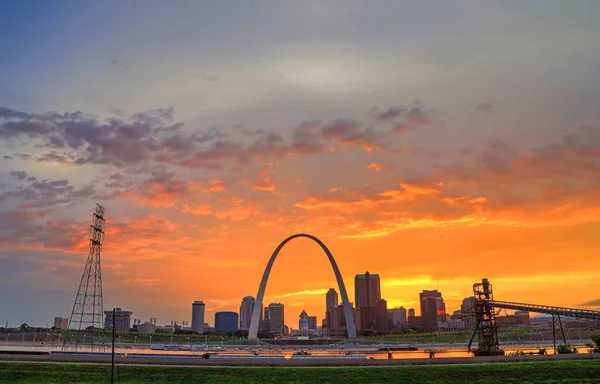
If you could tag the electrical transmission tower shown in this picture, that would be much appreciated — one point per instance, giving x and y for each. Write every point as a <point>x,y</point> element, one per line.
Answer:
<point>85,326</point>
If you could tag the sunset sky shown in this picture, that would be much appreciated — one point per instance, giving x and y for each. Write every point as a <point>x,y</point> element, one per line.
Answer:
<point>431,142</point>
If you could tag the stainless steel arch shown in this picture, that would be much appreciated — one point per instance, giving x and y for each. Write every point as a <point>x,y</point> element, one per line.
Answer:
<point>258,306</point>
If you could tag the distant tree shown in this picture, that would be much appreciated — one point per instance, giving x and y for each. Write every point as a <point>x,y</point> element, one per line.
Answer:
<point>25,328</point>
<point>241,333</point>
<point>564,349</point>
<point>596,339</point>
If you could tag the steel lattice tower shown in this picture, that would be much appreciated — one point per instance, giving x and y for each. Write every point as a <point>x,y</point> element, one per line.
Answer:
<point>86,325</point>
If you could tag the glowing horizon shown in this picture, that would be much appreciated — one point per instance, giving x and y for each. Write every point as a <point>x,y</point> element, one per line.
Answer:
<point>431,143</point>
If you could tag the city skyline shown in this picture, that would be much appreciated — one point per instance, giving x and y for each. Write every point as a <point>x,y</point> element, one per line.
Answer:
<point>433,147</point>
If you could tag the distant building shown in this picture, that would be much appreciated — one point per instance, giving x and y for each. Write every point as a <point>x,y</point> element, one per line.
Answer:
<point>398,317</point>
<point>365,317</point>
<point>518,319</point>
<point>61,323</point>
<point>415,322</point>
<point>331,300</point>
<point>303,322</point>
<point>122,320</point>
<point>336,322</point>
<point>312,322</point>
<point>246,310</point>
<point>381,315</point>
<point>147,328</point>
<point>433,309</point>
<point>198,316</point>
<point>226,322</point>
<point>367,290</point>
<point>263,326</point>
<point>276,318</point>
<point>411,312</point>
<point>467,311</point>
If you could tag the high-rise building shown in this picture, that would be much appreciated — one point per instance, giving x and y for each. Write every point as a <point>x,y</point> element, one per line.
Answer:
<point>312,322</point>
<point>122,320</point>
<point>398,317</point>
<point>246,310</point>
<point>433,309</point>
<point>276,319</point>
<point>198,317</point>
<point>226,321</point>
<point>61,323</point>
<point>381,315</point>
<point>331,300</point>
<point>367,290</point>
<point>411,312</point>
<point>467,312</point>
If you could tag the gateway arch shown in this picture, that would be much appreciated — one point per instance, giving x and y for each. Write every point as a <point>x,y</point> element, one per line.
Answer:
<point>258,306</point>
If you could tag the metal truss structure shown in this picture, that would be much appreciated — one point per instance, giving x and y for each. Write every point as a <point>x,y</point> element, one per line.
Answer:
<point>487,330</point>
<point>86,331</point>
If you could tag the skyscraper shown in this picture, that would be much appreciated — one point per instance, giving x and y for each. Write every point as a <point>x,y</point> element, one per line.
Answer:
<point>411,312</point>
<point>331,300</point>
<point>198,317</point>
<point>276,320</point>
<point>367,290</point>
<point>381,315</point>
<point>246,310</point>
<point>433,309</point>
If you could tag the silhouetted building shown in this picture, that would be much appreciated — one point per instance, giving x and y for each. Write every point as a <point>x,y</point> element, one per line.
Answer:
<point>276,318</point>
<point>331,300</point>
<point>312,322</point>
<point>467,311</point>
<point>246,310</point>
<point>198,316</point>
<point>433,309</point>
<point>365,317</point>
<point>519,319</point>
<point>61,323</point>
<point>415,322</point>
<point>122,320</point>
<point>336,322</point>
<point>398,317</point>
<point>411,312</point>
<point>367,290</point>
<point>226,322</point>
<point>381,315</point>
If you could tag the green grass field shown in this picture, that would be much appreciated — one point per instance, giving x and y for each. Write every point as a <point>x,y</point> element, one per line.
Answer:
<point>537,372</point>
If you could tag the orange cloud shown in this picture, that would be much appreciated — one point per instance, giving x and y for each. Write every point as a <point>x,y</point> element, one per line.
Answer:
<point>376,166</point>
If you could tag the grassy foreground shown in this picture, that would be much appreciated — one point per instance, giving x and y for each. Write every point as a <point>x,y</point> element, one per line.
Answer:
<point>537,372</point>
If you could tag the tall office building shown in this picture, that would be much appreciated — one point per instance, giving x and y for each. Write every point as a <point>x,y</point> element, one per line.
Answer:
<point>331,300</point>
<point>122,320</point>
<point>276,319</point>
<point>246,310</point>
<point>433,309</point>
<point>381,315</point>
<point>198,317</point>
<point>367,290</point>
<point>226,321</point>
<point>411,312</point>
<point>61,323</point>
